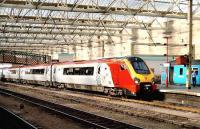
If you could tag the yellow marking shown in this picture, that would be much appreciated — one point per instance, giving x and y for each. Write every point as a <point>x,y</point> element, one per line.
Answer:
<point>142,77</point>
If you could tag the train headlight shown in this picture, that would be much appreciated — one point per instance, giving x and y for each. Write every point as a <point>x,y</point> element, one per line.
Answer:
<point>137,80</point>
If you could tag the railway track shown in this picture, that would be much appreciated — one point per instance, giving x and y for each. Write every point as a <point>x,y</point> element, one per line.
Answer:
<point>180,104</point>
<point>10,120</point>
<point>92,120</point>
<point>121,105</point>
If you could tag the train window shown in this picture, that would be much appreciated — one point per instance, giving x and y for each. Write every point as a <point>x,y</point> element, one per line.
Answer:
<point>99,69</point>
<point>68,71</point>
<point>140,67</point>
<point>13,71</point>
<point>27,72</point>
<point>90,70</point>
<point>37,71</point>
<point>181,71</point>
<point>78,71</point>
<point>65,71</point>
<point>122,67</point>
<point>82,71</point>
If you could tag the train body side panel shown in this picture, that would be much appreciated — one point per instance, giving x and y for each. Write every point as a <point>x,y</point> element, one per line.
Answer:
<point>122,78</point>
<point>11,73</point>
<point>105,75</point>
<point>75,79</point>
<point>114,68</point>
<point>27,75</point>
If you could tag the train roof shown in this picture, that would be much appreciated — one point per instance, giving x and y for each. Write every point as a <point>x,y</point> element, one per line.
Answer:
<point>38,65</point>
<point>28,66</point>
<point>102,60</point>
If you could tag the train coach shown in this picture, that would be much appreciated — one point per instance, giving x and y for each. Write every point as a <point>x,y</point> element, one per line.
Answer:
<point>114,76</point>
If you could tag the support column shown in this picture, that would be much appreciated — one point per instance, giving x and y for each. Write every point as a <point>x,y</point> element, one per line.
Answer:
<point>75,52</point>
<point>188,84</point>
<point>103,49</point>
<point>134,40</point>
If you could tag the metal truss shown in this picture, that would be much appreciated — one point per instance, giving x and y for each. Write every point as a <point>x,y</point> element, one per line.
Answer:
<point>27,24</point>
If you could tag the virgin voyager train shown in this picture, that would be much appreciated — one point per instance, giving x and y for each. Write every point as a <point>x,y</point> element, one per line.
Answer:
<point>114,76</point>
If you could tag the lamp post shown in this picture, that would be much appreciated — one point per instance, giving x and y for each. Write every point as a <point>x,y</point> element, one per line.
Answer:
<point>167,36</point>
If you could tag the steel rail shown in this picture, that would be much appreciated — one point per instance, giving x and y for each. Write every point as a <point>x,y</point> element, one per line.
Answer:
<point>84,117</point>
<point>14,120</point>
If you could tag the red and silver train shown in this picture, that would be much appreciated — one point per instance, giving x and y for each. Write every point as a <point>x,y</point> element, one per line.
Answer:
<point>114,76</point>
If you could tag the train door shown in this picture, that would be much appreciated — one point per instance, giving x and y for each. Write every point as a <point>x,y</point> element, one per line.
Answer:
<point>1,74</point>
<point>114,68</point>
<point>48,73</point>
<point>99,74</point>
<point>54,70</point>
<point>104,76</point>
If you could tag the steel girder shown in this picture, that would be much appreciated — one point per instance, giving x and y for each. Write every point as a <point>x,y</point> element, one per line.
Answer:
<point>51,17</point>
<point>91,8</point>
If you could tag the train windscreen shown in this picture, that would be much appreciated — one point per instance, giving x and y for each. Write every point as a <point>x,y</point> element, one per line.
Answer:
<point>139,65</point>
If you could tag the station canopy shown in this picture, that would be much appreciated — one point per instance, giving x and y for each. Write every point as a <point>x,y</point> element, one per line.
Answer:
<point>53,25</point>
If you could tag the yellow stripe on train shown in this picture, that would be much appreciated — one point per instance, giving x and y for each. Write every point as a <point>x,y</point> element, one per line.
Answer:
<point>142,77</point>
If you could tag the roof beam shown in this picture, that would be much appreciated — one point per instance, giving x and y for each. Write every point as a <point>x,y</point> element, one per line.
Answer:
<point>30,43</point>
<point>67,20</point>
<point>84,33</point>
<point>26,37</point>
<point>57,28</point>
<point>72,22</point>
<point>111,25</point>
<point>91,9</point>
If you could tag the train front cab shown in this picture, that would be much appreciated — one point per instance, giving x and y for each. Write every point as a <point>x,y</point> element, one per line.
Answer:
<point>142,76</point>
<point>132,82</point>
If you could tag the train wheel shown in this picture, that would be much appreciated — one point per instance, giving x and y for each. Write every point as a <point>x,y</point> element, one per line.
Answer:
<point>46,84</point>
<point>112,92</point>
<point>120,92</point>
<point>124,94</point>
<point>106,91</point>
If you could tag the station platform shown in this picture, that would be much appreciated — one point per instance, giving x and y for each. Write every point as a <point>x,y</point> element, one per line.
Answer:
<point>180,89</point>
